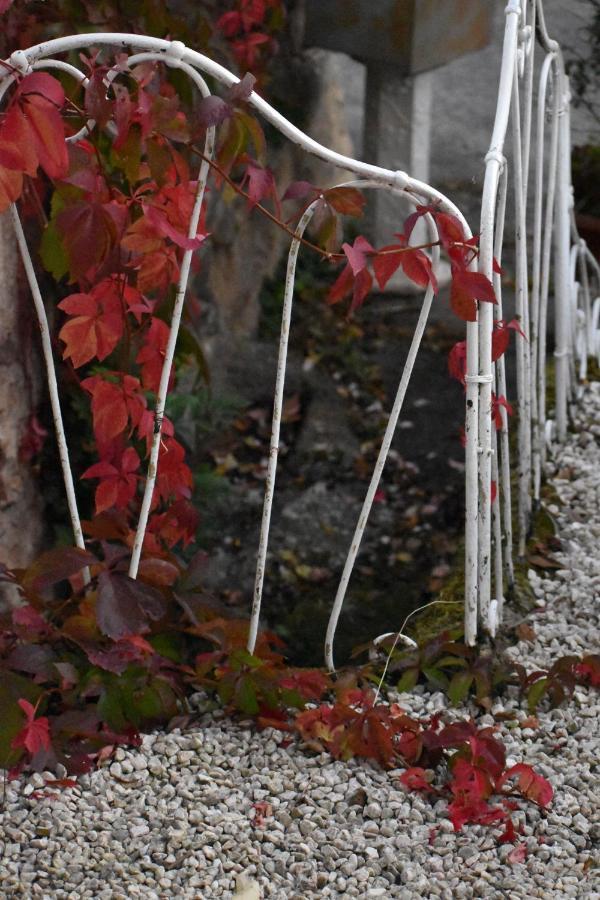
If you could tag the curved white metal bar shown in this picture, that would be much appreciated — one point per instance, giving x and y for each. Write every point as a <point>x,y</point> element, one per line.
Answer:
<point>381,460</point>
<point>177,51</point>
<point>61,440</point>
<point>81,78</point>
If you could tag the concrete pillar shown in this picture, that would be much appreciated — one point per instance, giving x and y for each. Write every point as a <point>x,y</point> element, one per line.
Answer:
<point>396,136</point>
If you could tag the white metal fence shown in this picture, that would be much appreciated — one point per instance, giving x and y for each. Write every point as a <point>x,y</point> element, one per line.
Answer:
<point>539,116</point>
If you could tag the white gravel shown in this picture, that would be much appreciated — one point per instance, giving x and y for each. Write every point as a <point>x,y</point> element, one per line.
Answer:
<point>175,818</point>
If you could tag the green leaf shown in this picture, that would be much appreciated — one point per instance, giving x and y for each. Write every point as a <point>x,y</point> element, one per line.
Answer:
<point>436,677</point>
<point>241,657</point>
<point>452,661</point>
<point>168,644</point>
<point>459,686</point>
<point>110,707</point>
<point>535,693</point>
<point>245,696</point>
<point>408,680</point>
<point>52,253</point>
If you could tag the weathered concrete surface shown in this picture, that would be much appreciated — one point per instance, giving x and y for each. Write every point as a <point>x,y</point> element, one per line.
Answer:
<point>20,502</point>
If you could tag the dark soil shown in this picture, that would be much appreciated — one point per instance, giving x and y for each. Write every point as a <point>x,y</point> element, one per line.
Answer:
<point>342,378</point>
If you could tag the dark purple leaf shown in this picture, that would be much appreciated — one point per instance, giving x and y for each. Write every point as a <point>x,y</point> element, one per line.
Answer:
<point>213,110</point>
<point>242,90</point>
<point>124,605</point>
<point>55,566</point>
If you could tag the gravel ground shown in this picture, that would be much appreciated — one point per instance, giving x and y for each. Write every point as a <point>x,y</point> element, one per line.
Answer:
<point>176,818</point>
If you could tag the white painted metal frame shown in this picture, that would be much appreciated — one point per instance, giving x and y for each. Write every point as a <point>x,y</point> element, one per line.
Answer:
<point>557,255</point>
<point>488,526</point>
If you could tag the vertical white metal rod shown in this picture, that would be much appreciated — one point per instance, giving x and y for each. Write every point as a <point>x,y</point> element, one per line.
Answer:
<point>545,286</point>
<point>61,440</point>
<point>286,317</point>
<point>379,465</point>
<point>562,237</point>
<point>503,465</point>
<point>496,611</point>
<point>479,368</point>
<point>534,337</point>
<point>523,382</point>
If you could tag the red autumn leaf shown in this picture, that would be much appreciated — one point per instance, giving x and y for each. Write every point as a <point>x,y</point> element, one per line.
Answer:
<point>356,254</point>
<point>509,835</point>
<point>417,267</point>
<point>174,478</point>
<point>262,811</point>
<point>297,190</point>
<point>385,263</point>
<point>258,182</point>
<point>179,523</point>
<point>589,669</point>
<point>467,288</point>
<point>16,148</point>
<point>40,98</point>
<point>151,357</point>
<point>29,618</point>
<point>113,405</point>
<point>311,684</point>
<point>230,23</point>
<point>363,283</point>
<point>345,200</point>
<point>11,185</point>
<point>96,324</point>
<point>118,482</point>
<point>499,403</point>
<point>457,362</point>
<point>342,286</point>
<point>35,735</point>
<point>126,650</point>
<point>415,780</point>
<point>533,786</point>
<point>501,336</point>
<point>109,410</point>
<point>449,228</point>
<point>32,441</point>
<point>159,221</point>
<point>246,49</point>
<point>476,283</point>
<point>480,812</point>
<point>89,233</point>
<point>98,105</point>
<point>518,855</point>
<point>462,302</point>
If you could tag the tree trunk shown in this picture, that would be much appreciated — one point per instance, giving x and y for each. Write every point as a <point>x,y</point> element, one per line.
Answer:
<point>21,506</point>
